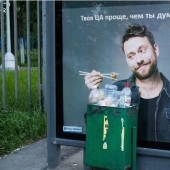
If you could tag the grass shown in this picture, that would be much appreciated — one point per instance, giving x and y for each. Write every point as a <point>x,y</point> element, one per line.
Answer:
<point>18,129</point>
<point>21,121</point>
<point>23,102</point>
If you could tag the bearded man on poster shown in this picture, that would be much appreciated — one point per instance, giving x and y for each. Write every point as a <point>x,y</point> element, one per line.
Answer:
<point>141,53</point>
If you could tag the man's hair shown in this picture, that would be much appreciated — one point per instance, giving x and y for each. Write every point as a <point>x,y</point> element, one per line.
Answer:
<point>136,30</point>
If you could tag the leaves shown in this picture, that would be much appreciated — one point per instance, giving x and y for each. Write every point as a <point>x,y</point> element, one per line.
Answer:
<point>21,18</point>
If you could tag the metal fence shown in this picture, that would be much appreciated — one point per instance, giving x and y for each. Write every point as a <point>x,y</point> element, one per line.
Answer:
<point>21,60</point>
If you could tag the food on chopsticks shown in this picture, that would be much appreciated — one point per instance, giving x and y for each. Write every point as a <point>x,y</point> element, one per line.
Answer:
<point>112,75</point>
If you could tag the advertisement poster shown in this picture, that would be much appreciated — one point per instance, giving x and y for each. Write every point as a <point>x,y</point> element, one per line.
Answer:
<point>92,40</point>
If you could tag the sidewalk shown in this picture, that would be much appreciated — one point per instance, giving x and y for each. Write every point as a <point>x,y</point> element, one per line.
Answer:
<point>34,157</point>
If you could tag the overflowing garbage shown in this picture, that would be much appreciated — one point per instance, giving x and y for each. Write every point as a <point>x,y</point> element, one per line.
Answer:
<point>111,96</point>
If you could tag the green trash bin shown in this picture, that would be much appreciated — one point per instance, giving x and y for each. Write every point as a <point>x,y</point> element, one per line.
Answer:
<point>111,136</point>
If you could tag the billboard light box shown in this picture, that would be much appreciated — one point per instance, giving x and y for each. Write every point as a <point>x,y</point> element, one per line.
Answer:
<point>89,37</point>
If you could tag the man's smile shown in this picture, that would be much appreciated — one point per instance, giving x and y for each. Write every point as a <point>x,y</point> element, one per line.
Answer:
<point>141,66</point>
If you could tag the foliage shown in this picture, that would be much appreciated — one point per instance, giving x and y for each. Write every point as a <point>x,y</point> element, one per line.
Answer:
<point>19,124</point>
<point>20,128</point>
<point>23,102</point>
<point>21,13</point>
<point>22,18</point>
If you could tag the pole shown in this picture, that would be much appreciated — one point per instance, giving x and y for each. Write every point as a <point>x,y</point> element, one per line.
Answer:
<point>53,151</point>
<point>9,57</point>
<point>15,48</point>
<point>3,58</point>
<point>8,27</point>
<point>28,51</point>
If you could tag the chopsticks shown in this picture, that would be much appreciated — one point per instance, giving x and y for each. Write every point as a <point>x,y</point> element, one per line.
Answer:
<point>109,73</point>
<point>83,73</point>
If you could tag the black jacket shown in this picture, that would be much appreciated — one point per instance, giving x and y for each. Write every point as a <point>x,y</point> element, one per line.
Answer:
<point>162,110</point>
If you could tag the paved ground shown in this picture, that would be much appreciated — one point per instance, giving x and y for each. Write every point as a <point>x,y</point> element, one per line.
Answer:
<point>34,157</point>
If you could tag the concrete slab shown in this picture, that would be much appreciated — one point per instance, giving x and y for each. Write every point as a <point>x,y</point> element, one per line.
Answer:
<point>34,157</point>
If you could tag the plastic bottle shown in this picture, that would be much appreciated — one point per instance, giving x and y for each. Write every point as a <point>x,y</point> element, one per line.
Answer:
<point>110,88</point>
<point>122,99</point>
<point>125,96</point>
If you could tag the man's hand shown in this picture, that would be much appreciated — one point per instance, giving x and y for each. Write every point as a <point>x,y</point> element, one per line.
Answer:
<point>93,79</point>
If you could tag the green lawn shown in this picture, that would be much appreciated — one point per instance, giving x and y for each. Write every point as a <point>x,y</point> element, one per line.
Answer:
<point>21,121</point>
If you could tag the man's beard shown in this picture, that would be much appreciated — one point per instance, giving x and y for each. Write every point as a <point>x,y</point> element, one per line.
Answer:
<point>151,71</point>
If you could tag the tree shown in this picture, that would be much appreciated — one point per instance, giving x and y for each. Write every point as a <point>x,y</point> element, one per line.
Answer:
<point>21,19</point>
